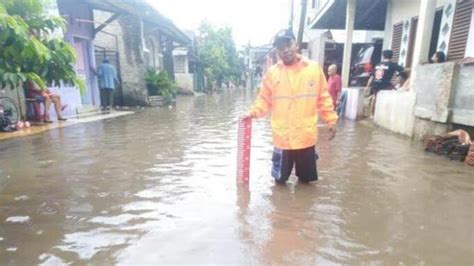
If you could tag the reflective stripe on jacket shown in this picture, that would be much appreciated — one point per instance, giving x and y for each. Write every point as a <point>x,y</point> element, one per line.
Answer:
<point>295,95</point>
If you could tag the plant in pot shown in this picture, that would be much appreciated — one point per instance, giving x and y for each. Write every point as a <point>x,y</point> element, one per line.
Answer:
<point>159,83</point>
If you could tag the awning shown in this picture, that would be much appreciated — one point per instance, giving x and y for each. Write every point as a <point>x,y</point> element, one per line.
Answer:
<point>369,15</point>
<point>143,11</point>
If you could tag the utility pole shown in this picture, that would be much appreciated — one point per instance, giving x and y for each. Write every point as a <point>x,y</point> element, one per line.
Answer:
<point>304,6</point>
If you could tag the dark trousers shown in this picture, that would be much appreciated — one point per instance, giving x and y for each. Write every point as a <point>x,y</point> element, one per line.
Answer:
<point>106,97</point>
<point>304,161</point>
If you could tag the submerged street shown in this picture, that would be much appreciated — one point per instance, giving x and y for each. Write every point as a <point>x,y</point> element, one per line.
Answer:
<point>158,187</point>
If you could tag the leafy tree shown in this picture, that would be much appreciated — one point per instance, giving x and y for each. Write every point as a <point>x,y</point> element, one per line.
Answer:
<point>217,52</point>
<point>28,49</point>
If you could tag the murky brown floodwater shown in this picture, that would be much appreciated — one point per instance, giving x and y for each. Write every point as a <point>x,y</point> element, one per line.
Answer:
<point>158,187</point>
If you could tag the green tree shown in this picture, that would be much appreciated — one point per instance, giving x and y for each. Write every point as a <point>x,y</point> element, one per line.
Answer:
<point>28,49</point>
<point>217,52</point>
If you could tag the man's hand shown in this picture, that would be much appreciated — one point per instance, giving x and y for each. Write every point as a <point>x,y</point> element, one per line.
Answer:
<point>331,133</point>
<point>246,116</point>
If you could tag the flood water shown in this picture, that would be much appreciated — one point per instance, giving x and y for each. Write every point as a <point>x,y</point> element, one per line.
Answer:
<point>158,187</point>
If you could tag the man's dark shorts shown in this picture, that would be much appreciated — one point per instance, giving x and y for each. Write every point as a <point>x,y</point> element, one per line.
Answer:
<point>303,159</point>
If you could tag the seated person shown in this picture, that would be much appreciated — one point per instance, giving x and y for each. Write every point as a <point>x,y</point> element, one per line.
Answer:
<point>36,104</point>
<point>46,97</point>
<point>402,82</point>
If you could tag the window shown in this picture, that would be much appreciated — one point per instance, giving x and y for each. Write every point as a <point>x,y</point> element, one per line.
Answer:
<point>151,53</point>
<point>435,32</point>
<point>460,30</point>
<point>397,40</point>
<point>179,64</point>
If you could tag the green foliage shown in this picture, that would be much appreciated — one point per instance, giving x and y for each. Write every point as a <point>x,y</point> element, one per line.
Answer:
<point>28,49</point>
<point>217,53</point>
<point>159,83</point>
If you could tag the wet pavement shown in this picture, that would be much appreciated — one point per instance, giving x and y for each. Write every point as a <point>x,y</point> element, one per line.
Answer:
<point>158,187</point>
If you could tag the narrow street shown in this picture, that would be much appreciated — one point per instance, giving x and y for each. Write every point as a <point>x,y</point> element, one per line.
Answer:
<point>158,187</point>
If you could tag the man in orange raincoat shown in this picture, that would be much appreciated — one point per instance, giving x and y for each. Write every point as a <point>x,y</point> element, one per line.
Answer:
<point>295,91</point>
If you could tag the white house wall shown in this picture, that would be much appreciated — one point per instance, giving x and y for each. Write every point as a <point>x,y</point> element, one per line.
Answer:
<point>358,36</point>
<point>404,11</point>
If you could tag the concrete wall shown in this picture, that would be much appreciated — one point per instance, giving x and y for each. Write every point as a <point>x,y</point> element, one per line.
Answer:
<point>442,94</point>
<point>423,128</point>
<point>394,111</point>
<point>185,82</point>
<point>434,86</point>
<point>355,103</point>
<point>463,109</point>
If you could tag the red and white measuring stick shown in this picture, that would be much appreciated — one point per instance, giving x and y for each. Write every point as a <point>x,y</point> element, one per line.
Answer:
<point>243,149</point>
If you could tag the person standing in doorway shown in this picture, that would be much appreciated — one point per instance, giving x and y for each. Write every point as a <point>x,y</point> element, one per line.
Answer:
<point>335,84</point>
<point>381,78</point>
<point>295,91</point>
<point>107,78</point>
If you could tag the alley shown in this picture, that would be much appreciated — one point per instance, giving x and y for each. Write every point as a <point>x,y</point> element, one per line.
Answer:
<point>159,186</point>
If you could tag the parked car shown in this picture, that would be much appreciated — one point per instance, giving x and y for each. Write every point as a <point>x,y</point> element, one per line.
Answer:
<point>363,63</point>
<point>364,58</point>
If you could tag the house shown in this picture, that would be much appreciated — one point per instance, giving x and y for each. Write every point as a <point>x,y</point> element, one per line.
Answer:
<point>314,39</point>
<point>187,68</point>
<point>256,64</point>
<point>134,37</point>
<point>441,96</point>
<point>80,34</point>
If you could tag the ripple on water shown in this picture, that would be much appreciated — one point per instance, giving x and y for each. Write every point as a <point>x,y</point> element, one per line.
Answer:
<point>18,219</point>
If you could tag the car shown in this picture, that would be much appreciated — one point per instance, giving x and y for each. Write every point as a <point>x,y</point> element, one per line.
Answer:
<point>365,56</point>
<point>363,63</point>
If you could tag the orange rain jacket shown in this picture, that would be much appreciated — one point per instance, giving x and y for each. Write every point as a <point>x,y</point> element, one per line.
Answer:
<point>295,95</point>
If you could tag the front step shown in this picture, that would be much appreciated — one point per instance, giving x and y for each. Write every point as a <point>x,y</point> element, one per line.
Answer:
<point>84,109</point>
